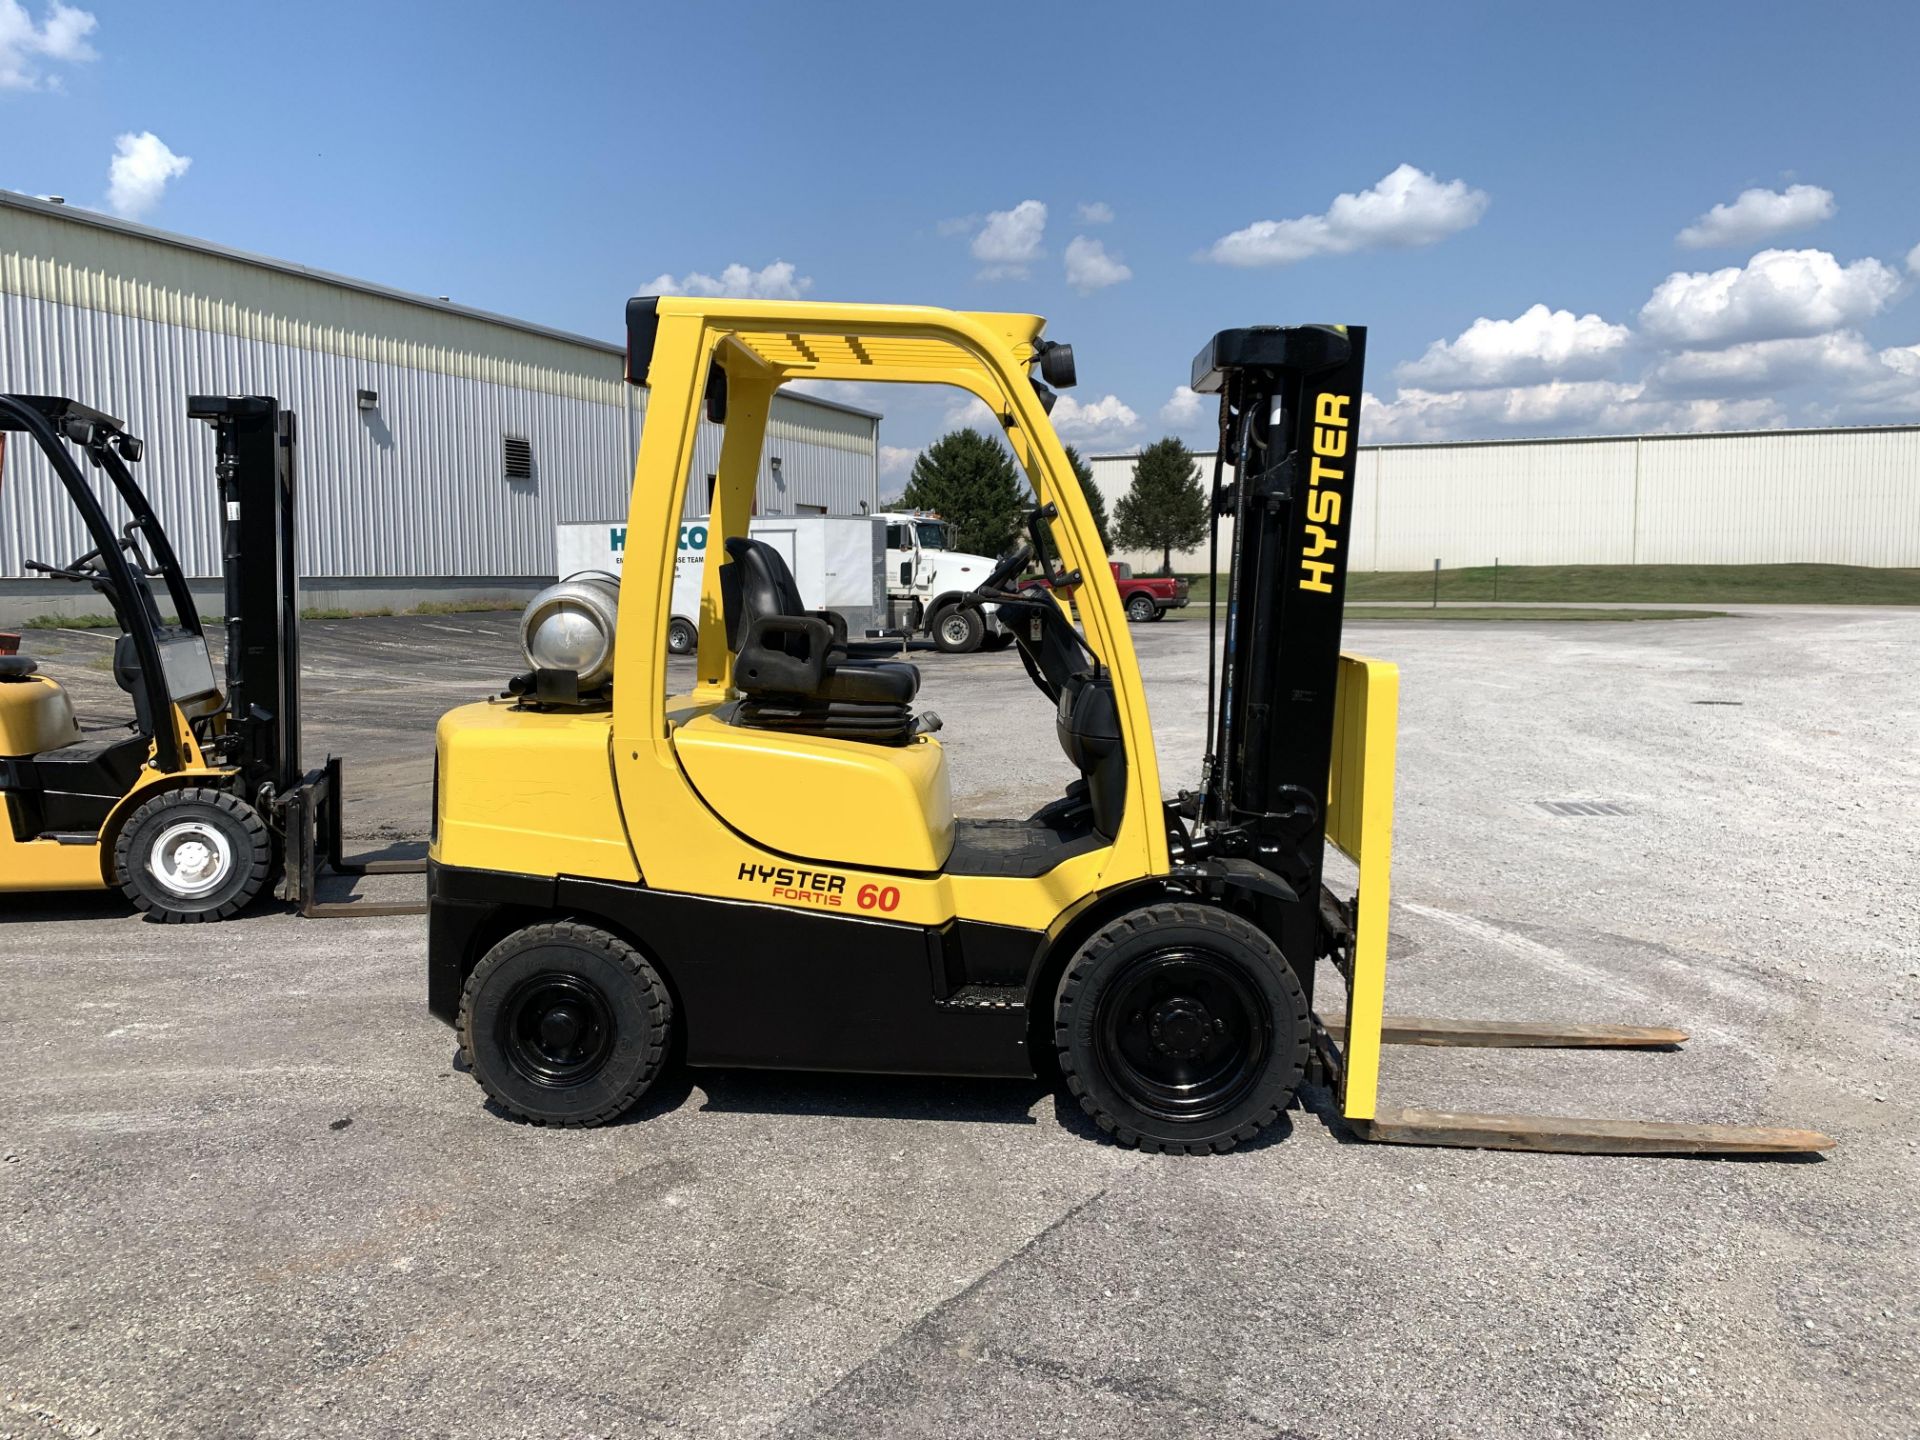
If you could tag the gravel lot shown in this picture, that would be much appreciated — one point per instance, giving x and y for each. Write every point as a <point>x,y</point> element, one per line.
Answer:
<point>245,1191</point>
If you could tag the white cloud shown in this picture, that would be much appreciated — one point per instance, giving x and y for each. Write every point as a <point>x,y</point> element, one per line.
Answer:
<point>142,166</point>
<point>1913,260</point>
<point>1010,241</point>
<point>847,392</point>
<point>1097,422</point>
<point>1095,212</point>
<point>1757,215</point>
<point>1407,208</point>
<point>1768,365</point>
<point>1090,268</point>
<point>1539,345</point>
<point>972,413</point>
<point>1589,407</point>
<point>61,36</point>
<point>777,281</point>
<point>1778,294</point>
<point>1183,408</point>
<point>896,461</point>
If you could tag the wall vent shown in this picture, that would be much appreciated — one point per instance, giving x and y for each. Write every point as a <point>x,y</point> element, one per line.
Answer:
<point>517,457</point>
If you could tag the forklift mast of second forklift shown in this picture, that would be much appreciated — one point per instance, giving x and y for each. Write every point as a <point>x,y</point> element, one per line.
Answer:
<point>254,455</point>
<point>1289,423</point>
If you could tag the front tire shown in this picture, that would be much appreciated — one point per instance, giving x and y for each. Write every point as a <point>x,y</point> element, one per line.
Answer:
<point>1181,1028</point>
<point>192,855</point>
<point>958,630</point>
<point>683,637</point>
<point>1141,609</point>
<point>563,1024</point>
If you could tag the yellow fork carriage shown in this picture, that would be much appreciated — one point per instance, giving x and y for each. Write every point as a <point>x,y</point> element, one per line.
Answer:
<point>766,868</point>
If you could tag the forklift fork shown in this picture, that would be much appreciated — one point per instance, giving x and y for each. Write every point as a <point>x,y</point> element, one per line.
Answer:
<point>1359,824</point>
<point>311,817</point>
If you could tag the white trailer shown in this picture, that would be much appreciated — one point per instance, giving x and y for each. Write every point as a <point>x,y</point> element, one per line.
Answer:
<point>839,562</point>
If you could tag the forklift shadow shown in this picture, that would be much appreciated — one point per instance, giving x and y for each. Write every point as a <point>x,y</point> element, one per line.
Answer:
<point>864,1097</point>
<point>877,1097</point>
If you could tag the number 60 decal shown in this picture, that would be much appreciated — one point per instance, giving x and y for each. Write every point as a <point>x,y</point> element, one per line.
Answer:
<point>876,897</point>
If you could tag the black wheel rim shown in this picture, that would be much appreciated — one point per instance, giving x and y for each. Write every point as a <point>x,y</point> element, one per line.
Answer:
<point>1184,1035</point>
<point>557,1030</point>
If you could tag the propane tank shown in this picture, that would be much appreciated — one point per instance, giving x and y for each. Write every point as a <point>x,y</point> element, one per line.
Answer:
<point>570,626</point>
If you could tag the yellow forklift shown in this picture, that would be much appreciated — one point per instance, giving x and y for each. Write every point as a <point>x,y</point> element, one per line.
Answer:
<point>192,807</point>
<point>766,870</point>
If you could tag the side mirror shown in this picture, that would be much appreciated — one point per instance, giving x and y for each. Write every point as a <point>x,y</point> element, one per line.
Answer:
<point>717,397</point>
<point>906,572</point>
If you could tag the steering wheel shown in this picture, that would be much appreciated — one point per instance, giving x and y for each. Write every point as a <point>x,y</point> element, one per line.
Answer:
<point>84,571</point>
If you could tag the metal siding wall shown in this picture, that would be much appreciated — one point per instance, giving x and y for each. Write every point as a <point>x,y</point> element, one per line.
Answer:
<point>1839,498</point>
<point>1525,504</point>
<point>414,488</point>
<point>827,457</point>
<point>1823,497</point>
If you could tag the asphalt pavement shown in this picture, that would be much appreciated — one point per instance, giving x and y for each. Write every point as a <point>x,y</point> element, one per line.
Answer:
<point>246,1191</point>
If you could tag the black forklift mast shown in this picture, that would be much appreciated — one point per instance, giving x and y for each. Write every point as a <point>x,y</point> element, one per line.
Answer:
<point>1290,415</point>
<point>254,457</point>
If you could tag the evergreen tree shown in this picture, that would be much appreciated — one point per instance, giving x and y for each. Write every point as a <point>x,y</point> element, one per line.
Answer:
<point>971,482</point>
<point>1165,508</point>
<point>1096,502</point>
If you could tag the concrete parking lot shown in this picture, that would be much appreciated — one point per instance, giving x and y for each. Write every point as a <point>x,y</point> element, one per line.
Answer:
<point>246,1191</point>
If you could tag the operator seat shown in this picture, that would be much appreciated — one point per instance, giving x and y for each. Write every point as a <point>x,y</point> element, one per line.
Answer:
<point>794,665</point>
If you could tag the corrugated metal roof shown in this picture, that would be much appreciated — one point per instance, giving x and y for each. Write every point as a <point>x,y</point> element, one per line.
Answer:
<point>74,215</point>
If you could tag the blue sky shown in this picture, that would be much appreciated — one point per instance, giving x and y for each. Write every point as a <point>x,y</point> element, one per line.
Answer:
<point>548,160</point>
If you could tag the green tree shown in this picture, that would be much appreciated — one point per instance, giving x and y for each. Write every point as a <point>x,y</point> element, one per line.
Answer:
<point>1096,502</point>
<point>1165,508</point>
<point>972,483</point>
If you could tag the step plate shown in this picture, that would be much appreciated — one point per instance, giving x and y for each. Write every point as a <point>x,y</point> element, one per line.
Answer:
<point>1565,1135</point>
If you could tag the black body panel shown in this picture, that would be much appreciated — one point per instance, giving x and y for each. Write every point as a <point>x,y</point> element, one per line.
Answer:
<point>768,986</point>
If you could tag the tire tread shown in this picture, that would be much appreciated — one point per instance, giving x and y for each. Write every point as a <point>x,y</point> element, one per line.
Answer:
<point>224,800</point>
<point>1087,959</point>
<point>586,937</point>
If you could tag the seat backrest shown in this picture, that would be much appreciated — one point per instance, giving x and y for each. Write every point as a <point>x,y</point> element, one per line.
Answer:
<point>755,582</point>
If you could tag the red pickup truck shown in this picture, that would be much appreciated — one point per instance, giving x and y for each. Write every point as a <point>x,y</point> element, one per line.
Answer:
<point>1147,599</point>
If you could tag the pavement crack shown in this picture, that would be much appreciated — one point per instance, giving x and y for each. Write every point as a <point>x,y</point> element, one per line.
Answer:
<point>932,1316</point>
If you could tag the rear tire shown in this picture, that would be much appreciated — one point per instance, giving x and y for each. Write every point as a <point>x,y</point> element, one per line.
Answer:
<point>683,637</point>
<point>1140,608</point>
<point>193,854</point>
<point>563,1024</point>
<point>1181,1028</point>
<point>958,630</point>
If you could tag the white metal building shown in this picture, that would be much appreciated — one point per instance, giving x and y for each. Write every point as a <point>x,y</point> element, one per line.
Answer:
<point>1833,497</point>
<point>439,446</point>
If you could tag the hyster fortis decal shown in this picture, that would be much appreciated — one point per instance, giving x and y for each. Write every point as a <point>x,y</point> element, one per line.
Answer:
<point>817,887</point>
<point>805,887</point>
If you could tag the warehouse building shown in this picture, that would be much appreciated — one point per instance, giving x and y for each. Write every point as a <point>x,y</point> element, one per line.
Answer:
<point>439,445</point>
<point>1765,497</point>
